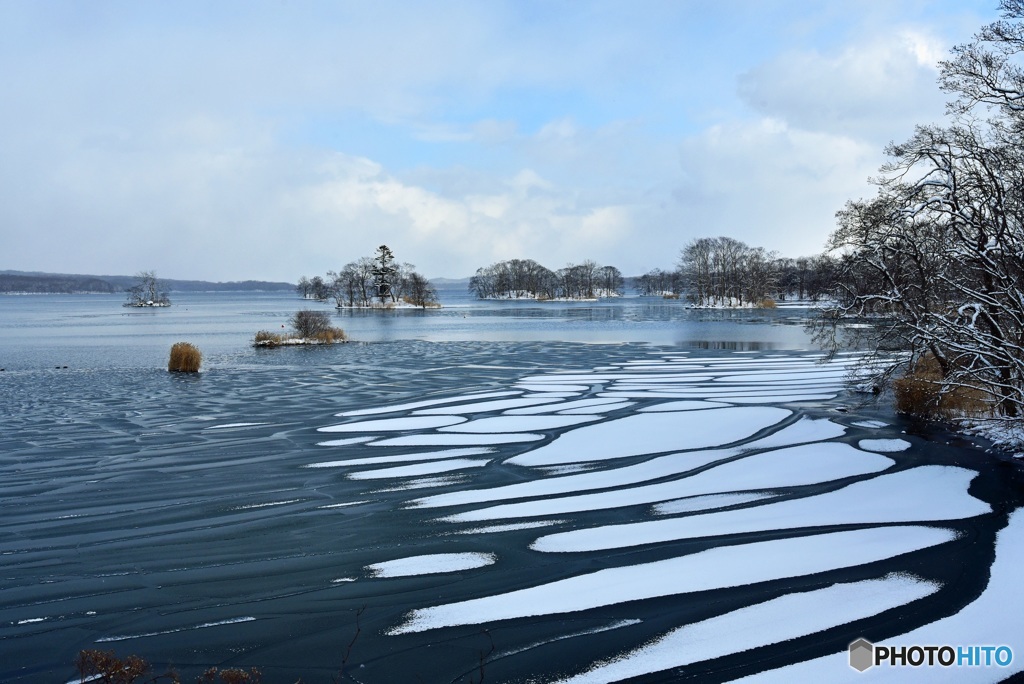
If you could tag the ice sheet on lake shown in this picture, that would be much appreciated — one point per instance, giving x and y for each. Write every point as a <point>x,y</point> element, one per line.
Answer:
<point>226,426</point>
<point>426,402</point>
<point>604,408</point>
<point>345,441</point>
<point>709,501</point>
<point>661,432</point>
<point>441,440</point>
<point>791,467</point>
<point>717,568</point>
<point>641,472</point>
<point>487,406</point>
<point>419,469</point>
<point>927,493</point>
<point>691,405</point>
<point>506,424</point>
<point>884,445</point>
<point>994,618</point>
<point>431,564</point>
<point>564,406</point>
<point>403,458</point>
<point>787,617</point>
<point>395,424</point>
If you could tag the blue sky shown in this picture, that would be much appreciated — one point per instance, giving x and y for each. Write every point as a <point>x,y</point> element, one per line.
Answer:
<point>270,140</point>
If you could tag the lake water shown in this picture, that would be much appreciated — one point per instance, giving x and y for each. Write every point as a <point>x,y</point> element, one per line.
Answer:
<point>500,453</point>
<point>90,331</point>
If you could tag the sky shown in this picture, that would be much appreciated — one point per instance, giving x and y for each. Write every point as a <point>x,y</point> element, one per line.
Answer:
<point>274,139</point>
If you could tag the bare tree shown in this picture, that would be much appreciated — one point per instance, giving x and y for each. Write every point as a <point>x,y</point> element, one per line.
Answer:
<point>938,254</point>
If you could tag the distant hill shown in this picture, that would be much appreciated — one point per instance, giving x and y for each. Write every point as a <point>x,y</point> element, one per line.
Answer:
<point>53,284</point>
<point>64,283</point>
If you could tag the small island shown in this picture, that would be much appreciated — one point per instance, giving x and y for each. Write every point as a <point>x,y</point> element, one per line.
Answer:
<point>527,279</point>
<point>377,282</point>
<point>147,292</point>
<point>310,328</point>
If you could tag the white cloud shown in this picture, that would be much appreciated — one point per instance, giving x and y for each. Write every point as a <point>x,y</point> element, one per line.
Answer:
<point>770,185</point>
<point>876,88</point>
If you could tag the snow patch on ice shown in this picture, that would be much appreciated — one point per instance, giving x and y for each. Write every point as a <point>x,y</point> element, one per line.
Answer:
<point>927,493</point>
<point>419,469</point>
<point>884,445</point>
<point>787,617</point>
<point>717,568</point>
<point>395,424</point>
<point>661,432</point>
<point>403,458</point>
<point>709,501</point>
<point>432,564</point>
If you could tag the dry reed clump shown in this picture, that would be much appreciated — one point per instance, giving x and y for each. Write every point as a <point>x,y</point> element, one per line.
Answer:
<point>920,393</point>
<point>330,336</point>
<point>265,338</point>
<point>767,303</point>
<point>185,358</point>
<point>670,295</point>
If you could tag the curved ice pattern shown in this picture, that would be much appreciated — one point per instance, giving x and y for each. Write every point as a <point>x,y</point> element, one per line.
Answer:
<point>710,409</point>
<point>804,430</point>
<point>884,445</point>
<point>771,622</point>
<point>993,618</point>
<point>403,458</point>
<point>503,424</point>
<point>709,501</point>
<point>428,468</point>
<point>563,406</point>
<point>663,466</point>
<point>395,424</point>
<point>396,408</point>
<point>660,432</point>
<point>486,406</point>
<point>928,493</point>
<point>693,405</point>
<point>603,408</point>
<point>430,440</point>
<point>716,568</point>
<point>431,564</point>
<point>790,467</point>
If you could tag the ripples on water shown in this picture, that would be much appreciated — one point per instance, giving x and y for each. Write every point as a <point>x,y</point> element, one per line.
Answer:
<point>552,507</point>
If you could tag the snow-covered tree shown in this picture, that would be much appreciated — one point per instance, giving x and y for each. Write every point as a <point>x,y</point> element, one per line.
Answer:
<point>938,253</point>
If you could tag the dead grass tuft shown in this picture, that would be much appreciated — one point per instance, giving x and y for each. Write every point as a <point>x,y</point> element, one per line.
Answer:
<point>265,338</point>
<point>330,336</point>
<point>185,358</point>
<point>767,303</point>
<point>921,393</point>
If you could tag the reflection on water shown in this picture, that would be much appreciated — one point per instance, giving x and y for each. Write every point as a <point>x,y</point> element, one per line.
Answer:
<point>96,331</point>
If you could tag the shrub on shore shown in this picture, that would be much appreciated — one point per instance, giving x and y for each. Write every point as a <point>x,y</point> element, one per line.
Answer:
<point>311,327</point>
<point>185,358</point>
<point>922,393</point>
<point>265,338</point>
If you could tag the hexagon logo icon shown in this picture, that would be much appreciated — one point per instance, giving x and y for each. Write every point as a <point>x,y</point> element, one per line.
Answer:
<point>862,654</point>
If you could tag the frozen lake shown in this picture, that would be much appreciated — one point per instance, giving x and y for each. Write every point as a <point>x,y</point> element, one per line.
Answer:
<point>521,492</point>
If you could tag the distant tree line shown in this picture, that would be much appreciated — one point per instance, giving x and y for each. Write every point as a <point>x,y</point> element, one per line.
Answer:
<point>47,284</point>
<point>377,281</point>
<point>723,271</point>
<point>527,279</point>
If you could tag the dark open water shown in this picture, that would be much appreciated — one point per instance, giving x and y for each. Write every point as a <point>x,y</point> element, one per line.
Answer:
<point>176,517</point>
